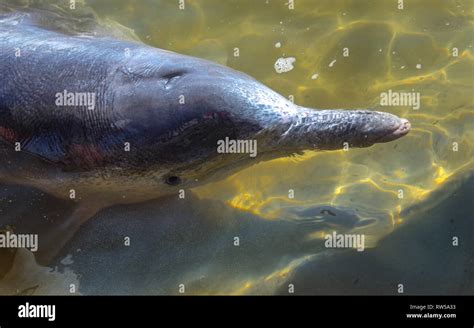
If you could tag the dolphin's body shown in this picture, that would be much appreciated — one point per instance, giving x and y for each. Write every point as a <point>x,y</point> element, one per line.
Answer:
<point>156,120</point>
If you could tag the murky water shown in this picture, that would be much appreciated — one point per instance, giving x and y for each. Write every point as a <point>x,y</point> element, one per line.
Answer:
<point>347,53</point>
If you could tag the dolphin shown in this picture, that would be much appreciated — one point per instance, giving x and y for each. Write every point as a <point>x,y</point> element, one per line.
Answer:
<point>102,120</point>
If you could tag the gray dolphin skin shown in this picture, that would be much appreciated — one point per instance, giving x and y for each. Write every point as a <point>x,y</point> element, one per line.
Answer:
<point>155,120</point>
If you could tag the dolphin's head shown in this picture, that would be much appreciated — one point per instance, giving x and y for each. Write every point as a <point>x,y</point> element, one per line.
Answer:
<point>184,118</point>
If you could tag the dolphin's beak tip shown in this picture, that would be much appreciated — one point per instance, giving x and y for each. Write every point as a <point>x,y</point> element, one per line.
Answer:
<point>404,127</point>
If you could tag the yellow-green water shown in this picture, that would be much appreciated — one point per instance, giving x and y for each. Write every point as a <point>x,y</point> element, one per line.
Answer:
<point>408,50</point>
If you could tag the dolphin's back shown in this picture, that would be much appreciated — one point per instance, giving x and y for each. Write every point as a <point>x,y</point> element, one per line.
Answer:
<point>36,66</point>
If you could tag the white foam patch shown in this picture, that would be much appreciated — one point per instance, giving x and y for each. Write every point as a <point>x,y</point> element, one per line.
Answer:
<point>283,65</point>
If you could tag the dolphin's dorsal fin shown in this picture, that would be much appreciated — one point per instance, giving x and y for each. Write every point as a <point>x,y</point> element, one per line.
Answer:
<point>56,15</point>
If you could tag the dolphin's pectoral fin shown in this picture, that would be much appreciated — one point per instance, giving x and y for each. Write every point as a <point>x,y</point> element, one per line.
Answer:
<point>52,241</point>
<point>26,210</point>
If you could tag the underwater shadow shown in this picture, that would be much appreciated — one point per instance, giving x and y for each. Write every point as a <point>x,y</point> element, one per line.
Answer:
<point>419,254</point>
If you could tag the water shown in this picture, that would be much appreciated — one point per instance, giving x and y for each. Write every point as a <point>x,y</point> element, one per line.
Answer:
<point>424,48</point>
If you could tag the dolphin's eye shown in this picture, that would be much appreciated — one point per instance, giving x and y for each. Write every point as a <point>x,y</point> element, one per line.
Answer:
<point>173,180</point>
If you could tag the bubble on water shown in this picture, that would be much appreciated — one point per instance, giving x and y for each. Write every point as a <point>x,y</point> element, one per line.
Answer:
<point>278,45</point>
<point>331,64</point>
<point>283,65</point>
<point>418,66</point>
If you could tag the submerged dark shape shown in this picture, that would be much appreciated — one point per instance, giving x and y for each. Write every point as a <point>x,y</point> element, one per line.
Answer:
<point>118,121</point>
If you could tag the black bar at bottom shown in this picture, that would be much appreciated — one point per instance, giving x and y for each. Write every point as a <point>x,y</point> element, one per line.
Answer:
<point>137,311</point>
